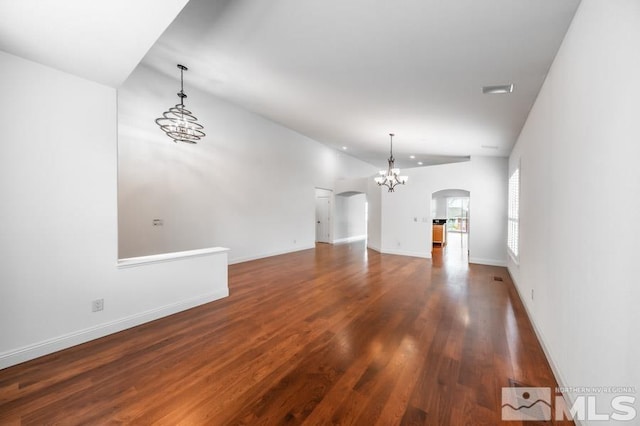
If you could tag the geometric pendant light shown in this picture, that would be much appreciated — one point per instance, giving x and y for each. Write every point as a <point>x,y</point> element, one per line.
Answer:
<point>178,122</point>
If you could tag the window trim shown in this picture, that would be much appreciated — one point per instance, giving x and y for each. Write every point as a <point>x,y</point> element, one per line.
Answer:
<point>513,214</point>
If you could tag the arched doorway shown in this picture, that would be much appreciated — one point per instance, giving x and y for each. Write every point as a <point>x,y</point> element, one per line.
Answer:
<point>450,214</point>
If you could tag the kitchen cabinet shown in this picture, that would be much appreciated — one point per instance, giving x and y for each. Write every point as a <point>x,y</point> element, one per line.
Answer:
<point>439,234</point>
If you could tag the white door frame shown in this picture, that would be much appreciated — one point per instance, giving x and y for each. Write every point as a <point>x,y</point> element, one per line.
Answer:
<point>323,224</point>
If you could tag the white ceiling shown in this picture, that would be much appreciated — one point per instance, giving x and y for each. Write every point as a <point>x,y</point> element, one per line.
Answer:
<point>98,40</point>
<point>345,73</point>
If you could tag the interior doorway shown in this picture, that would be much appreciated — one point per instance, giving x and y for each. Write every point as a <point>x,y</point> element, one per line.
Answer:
<point>451,213</point>
<point>350,217</point>
<point>323,215</point>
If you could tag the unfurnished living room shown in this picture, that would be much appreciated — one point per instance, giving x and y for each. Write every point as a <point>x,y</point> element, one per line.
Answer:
<point>418,212</point>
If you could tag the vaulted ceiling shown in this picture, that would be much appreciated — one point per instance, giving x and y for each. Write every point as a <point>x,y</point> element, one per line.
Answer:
<point>345,73</point>
<point>102,40</point>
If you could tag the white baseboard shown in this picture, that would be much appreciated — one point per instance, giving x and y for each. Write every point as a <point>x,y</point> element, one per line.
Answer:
<point>372,247</point>
<point>423,255</point>
<point>273,253</point>
<point>350,239</point>
<point>554,366</point>
<point>490,262</point>
<point>26,353</point>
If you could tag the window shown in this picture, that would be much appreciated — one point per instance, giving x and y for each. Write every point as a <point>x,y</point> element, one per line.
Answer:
<point>514,213</point>
<point>457,214</point>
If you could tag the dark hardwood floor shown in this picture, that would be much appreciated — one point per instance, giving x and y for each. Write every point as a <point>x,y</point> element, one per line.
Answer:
<point>335,335</point>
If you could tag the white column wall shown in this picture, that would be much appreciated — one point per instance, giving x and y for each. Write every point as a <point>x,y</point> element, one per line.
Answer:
<point>374,223</point>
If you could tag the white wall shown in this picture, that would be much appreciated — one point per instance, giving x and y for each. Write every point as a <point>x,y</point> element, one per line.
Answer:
<point>579,226</point>
<point>349,223</point>
<point>374,222</point>
<point>406,213</point>
<point>360,184</point>
<point>58,224</point>
<point>248,185</point>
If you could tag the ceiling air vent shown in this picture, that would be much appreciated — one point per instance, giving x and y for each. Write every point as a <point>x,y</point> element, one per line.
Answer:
<point>504,88</point>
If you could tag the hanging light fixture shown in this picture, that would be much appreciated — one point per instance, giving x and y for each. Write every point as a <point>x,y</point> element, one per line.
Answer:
<point>178,122</point>
<point>389,177</point>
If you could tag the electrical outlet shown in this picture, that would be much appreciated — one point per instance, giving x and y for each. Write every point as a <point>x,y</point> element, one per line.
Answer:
<point>531,294</point>
<point>158,222</point>
<point>97,305</point>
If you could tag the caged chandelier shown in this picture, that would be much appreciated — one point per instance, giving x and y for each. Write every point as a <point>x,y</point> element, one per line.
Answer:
<point>389,177</point>
<point>178,122</point>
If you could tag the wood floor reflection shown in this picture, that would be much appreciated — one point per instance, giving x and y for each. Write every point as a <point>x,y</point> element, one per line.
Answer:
<point>335,335</point>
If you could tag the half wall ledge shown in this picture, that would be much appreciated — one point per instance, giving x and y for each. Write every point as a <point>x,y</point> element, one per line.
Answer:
<point>168,257</point>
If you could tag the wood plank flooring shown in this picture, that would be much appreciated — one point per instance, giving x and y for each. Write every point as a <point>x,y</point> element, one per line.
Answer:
<point>335,335</point>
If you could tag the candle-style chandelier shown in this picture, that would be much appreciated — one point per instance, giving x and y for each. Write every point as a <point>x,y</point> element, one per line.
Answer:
<point>178,122</point>
<point>390,177</point>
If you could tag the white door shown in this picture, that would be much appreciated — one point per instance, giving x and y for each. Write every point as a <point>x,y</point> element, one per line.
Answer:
<point>322,219</point>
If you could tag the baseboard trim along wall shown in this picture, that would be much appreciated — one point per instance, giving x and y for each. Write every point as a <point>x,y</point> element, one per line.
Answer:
<point>373,247</point>
<point>554,366</point>
<point>424,255</point>
<point>273,253</point>
<point>490,262</point>
<point>55,344</point>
